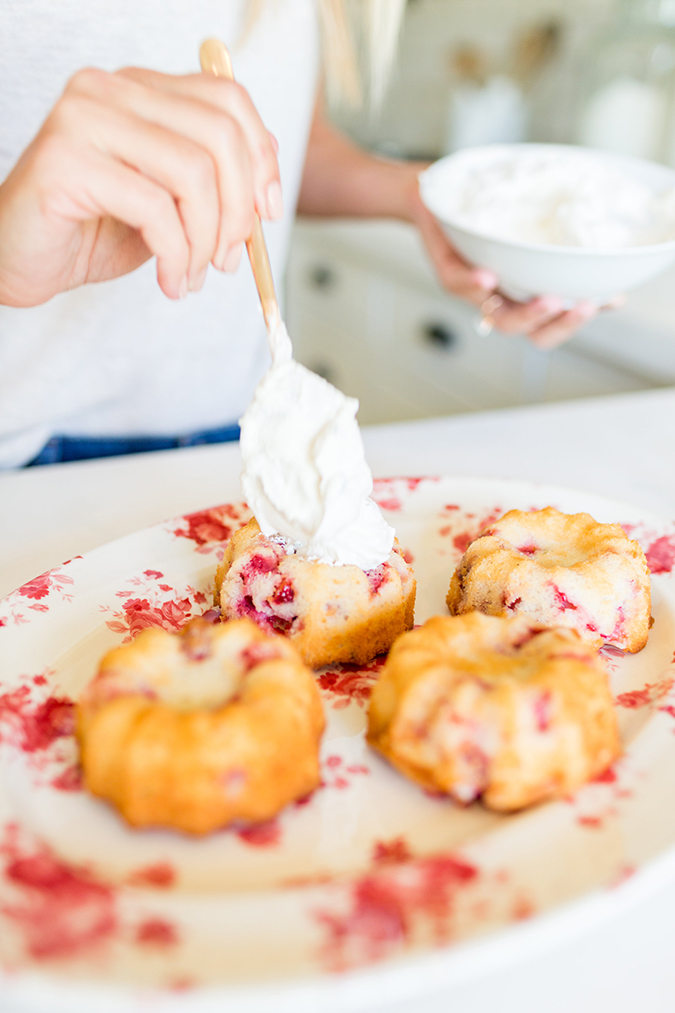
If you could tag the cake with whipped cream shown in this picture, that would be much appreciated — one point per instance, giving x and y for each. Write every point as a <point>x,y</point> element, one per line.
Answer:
<point>318,562</point>
<point>559,570</point>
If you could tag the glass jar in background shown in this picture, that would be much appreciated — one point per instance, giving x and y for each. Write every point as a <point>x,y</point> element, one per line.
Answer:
<point>628,104</point>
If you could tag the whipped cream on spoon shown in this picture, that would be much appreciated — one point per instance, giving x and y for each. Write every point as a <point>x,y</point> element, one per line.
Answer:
<point>305,474</point>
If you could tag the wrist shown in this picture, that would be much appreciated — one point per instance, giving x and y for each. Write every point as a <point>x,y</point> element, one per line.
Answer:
<point>410,205</point>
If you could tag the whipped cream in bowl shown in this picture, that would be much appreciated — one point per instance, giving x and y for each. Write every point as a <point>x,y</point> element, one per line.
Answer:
<point>556,219</point>
<point>305,475</point>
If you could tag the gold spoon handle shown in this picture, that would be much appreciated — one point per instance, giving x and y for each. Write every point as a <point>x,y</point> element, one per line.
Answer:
<point>215,59</point>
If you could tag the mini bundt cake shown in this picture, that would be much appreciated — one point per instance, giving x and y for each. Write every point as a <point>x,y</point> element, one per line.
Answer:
<point>498,708</point>
<point>332,613</point>
<point>559,570</point>
<point>194,730</point>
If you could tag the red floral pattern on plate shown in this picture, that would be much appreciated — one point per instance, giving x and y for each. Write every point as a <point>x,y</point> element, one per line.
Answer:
<point>460,528</point>
<point>386,907</point>
<point>400,901</point>
<point>60,910</point>
<point>210,529</point>
<point>390,493</point>
<point>261,835</point>
<point>345,684</point>
<point>154,603</point>
<point>659,547</point>
<point>40,725</point>
<point>31,595</point>
<point>337,772</point>
<point>160,875</point>
<point>157,932</point>
<point>649,693</point>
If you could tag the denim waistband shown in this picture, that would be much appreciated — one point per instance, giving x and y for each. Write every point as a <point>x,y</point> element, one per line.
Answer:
<point>80,448</point>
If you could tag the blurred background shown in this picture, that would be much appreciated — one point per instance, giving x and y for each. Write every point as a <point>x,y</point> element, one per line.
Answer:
<point>362,302</point>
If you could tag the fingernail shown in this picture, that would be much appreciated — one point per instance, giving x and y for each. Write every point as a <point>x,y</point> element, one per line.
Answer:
<point>549,304</point>
<point>275,203</point>
<point>586,310</point>
<point>616,303</point>
<point>232,258</point>
<point>199,280</point>
<point>275,143</point>
<point>183,288</point>
<point>486,279</point>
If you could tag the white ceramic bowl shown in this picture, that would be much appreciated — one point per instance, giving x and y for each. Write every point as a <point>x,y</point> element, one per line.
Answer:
<point>530,269</point>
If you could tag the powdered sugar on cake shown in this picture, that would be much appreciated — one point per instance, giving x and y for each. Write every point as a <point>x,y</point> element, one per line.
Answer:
<point>305,475</point>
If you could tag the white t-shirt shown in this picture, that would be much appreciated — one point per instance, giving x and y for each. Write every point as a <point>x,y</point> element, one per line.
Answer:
<point>119,358</point>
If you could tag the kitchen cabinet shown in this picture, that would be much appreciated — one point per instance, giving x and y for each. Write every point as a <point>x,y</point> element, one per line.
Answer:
<point>365,311</point>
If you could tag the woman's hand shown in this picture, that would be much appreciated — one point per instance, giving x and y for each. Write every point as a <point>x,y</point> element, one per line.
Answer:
<point>543,320</point>
<point>340,179</point>
<point>131,165</point>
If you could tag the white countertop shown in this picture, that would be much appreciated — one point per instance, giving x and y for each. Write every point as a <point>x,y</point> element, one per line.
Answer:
<point>622,447</point>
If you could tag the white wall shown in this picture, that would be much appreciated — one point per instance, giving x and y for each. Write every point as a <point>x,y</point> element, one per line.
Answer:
<point>413,118</point>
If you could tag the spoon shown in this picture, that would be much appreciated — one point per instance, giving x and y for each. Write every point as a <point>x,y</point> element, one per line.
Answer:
<point>305,475</point>
<point>215,59</point>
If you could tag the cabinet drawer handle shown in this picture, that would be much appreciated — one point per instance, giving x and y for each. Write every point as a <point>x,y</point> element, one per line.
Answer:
<point>322,277</point>
<point>439,335</point>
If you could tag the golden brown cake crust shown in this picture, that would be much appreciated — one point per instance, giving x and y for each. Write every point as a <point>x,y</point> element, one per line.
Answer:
<point>331,613</point>
<point>164,759</point>
<point>560,570</point>
<point>475,705</point>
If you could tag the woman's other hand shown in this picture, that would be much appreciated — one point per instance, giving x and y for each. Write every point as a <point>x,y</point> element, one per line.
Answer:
<point>131,165</point>
<point>543,319</point>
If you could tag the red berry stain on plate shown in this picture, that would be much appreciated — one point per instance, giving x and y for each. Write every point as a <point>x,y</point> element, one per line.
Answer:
<point>61,910</point>
<point>261,835</point>
<point>156,932</point>
<point>386,906</point>
<point>651,692</point>
<point>161,875</point>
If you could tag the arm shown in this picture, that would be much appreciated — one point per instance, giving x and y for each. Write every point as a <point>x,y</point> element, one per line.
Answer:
<point>341,179</point>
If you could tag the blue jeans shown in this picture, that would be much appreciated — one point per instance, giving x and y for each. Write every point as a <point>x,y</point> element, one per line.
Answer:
<point>80,448</point>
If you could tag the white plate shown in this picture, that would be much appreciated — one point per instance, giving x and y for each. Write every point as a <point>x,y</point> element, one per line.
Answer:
<point>370,890</point>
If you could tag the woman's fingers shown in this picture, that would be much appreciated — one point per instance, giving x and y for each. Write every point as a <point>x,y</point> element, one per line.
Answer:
<point>165,128</point>
<point>183,169</point>
<point>563,326</point>
<point>227,99</point>
<point>102,187</point>
<point>542,319</point>
<point>472,283</point>
<point>525,318</point>
<point>131,164</point>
